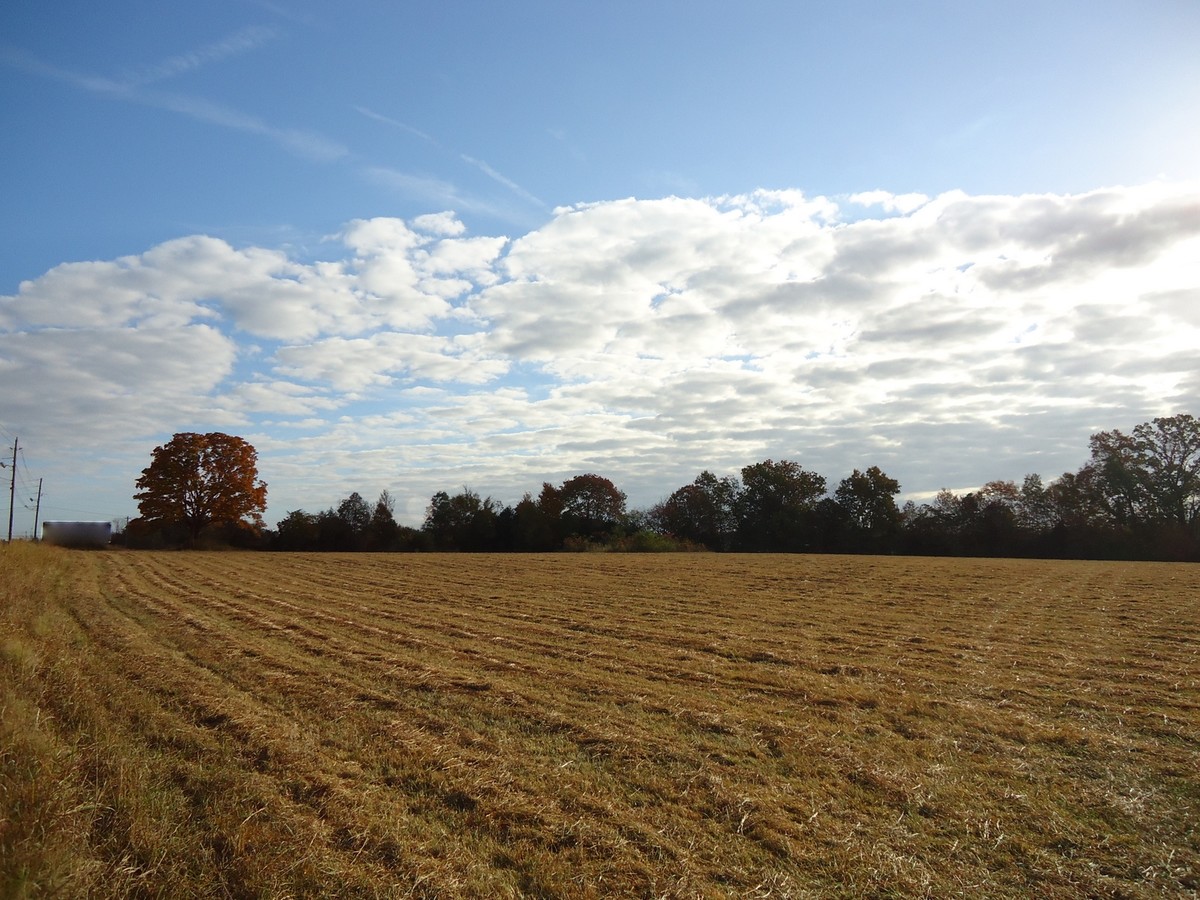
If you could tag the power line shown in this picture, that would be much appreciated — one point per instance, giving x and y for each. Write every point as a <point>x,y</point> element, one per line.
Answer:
<point>20,471</point>
<point>37,509</point>
<point>70,509</point>
<point>34,498</point>
<point>24,465</point>
<point>12,489</point>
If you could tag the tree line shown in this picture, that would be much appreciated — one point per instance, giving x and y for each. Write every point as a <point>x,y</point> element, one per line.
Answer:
<point>1137,497</point>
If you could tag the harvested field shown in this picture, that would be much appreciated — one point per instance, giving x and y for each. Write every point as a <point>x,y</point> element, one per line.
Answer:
<point>595,725</point>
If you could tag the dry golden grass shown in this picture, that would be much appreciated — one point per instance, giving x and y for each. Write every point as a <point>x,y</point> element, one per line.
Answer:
<point>226,724</point>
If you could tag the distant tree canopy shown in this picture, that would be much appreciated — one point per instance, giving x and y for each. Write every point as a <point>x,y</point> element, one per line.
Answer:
<point>703,512</point>
<point>776,507</point>
<point>1138,496</point>
<point>591,504</point>
<point>351,525</point>
<point>868,512</point>
<point>462,522</point>
<point>1151,475</point>
<point>197,480</point>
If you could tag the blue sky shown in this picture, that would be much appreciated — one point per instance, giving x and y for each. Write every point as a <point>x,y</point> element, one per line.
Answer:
<point>421,246</point>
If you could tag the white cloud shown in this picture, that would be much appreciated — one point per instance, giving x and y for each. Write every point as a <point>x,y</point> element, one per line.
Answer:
<point>889,202</point>
<point>86,386</point>
<point>443,224</point>
<point>280,398</point>
<point>356,364</point>
<point>955,340</point>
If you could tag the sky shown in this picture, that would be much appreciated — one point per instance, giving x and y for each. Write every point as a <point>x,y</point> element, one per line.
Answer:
<point>422,247</point>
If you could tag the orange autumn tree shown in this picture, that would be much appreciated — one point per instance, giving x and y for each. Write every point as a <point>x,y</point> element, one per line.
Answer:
<point>197,480</point>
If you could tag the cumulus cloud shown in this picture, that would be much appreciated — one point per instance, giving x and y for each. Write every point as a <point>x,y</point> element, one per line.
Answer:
<point>889,202</point>
<point>951,340</point>
<point>442,224</point>
<point>86,385</point>
<point>355,364</point>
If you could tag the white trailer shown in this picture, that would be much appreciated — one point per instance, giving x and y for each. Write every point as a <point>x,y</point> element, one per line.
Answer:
<point>77,534</point>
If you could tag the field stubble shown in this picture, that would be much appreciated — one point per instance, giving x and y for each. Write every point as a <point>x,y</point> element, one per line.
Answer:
<point>208,724</point>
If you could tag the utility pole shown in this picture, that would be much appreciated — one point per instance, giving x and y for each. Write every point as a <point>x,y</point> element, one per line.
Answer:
<point>12,490</point>
<point>37,509</point>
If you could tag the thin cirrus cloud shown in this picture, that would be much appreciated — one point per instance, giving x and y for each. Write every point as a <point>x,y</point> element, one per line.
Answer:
<point>395,123</point>
<point>502,180</point>
<point>951,341</point>
<point>436,188</point>
<point>139,88</point>
<point>430,189</point>
<point>244,40</point>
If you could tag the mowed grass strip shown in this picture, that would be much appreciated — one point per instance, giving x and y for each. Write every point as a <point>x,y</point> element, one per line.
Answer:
<point>194,724</point>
